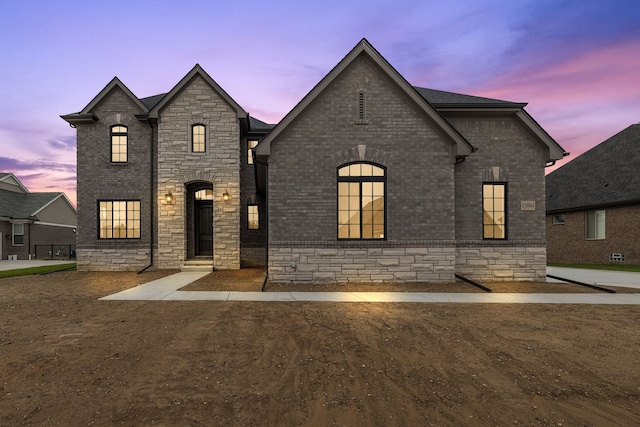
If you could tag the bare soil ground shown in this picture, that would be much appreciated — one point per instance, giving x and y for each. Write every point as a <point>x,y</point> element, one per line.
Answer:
<point>68,359</point>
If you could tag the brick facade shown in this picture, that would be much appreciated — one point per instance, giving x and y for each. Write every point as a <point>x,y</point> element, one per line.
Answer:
<point>363,113</point>
<point>100,179</point>
<point>568,243</point>
<point>42,236</point>
<point>426,190</point>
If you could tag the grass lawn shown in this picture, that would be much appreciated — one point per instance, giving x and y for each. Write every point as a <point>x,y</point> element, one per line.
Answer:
<point>37,270</point>
<point>616,267</point>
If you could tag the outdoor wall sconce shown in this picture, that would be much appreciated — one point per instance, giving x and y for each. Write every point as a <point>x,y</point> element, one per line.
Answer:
<point>225,196</point>
<point>168,197</point>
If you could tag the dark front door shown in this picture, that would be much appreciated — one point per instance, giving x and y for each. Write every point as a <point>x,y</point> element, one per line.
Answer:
<point>204,228</point>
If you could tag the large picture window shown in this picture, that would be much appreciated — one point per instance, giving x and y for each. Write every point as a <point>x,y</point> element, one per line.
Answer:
<point>198,144</point>
<point>494,200</point>
<point>119,144</point>
<point>361,201</point>
<point>119,219</point>
<point>595,224</point>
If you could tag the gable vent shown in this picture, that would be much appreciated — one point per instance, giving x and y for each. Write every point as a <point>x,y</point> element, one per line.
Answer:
<point>361,106</point>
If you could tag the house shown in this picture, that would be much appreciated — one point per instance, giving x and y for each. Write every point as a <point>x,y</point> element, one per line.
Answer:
<point>34,225</point>
<point>366,179</point>
<point>593,204</point>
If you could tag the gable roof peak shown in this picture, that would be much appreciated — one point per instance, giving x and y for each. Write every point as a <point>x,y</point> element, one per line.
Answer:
<point>197,70</point>
<point>115,82</point>
<point>463,147</point>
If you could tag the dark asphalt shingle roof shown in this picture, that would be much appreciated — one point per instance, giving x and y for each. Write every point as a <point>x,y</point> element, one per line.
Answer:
<point>18,205</point>
<point>440,98</point>
<point>256,124</point>
<point>151,101</point>
<point>608,174</point>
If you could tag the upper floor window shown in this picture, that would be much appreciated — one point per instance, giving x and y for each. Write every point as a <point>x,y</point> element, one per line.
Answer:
<point>119,143</point>
<point>253,217</point>
<point>558,219</point>
<point>198,139</point>
<point>251,144</point>
<point>361,201</point>
<point>494,200</point>
<point>596,224</point>
<point>119,219</point>
<point>18,234</point>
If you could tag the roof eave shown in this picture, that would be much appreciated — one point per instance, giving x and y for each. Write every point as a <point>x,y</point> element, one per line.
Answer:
<point>77,118</point>
<point>556,152</point>
<point>481,108</point>
<point>595,206</point>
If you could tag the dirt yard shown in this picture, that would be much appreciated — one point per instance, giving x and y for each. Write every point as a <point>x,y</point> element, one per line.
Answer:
<point>68,359</point>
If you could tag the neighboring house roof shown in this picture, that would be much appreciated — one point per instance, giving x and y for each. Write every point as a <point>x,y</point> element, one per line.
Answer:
<point>603,176</point>
<point>24,206</point>
<point>197,71</point>
<point>365,48</point>
<point>10,179</point>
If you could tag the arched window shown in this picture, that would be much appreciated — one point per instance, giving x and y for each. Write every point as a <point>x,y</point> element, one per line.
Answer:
<point>361,201</point>
<point>198,139</point>
<point>119,142</point>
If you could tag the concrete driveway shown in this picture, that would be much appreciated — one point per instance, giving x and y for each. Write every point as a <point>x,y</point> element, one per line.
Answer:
<point>14,265</point>
<point>596,277</point>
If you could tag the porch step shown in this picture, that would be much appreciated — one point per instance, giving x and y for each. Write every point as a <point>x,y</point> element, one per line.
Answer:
<point>195,265</point>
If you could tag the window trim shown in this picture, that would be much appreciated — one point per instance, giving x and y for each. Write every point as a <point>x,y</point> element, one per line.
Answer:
<point>586,224</point>
<point>257,215</point>
<point>126,145</point>
<point>360,180</point>
<point>14,234</point>
<point>204,138</point>
<point>126,219</point>
<point>506,210</point>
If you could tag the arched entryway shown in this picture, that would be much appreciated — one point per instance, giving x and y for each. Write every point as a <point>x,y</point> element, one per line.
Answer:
<point>199,220</point>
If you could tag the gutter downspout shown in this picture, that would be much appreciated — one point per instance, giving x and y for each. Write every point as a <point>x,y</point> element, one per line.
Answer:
<point>151,200</point>
<point>266,215</point>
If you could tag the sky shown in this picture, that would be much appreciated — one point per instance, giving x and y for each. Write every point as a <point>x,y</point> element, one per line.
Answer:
<point>575,62</point>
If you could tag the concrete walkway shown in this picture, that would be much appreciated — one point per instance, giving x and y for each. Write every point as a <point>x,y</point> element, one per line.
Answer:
<point>167,289</point>
<point>15,265</point>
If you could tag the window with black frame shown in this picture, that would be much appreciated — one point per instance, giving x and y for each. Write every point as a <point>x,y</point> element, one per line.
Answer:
<point>119,144</point>
<point>119,219</point>
<point>198,139</point>
<point>494,218</point>
<point>361,201</point>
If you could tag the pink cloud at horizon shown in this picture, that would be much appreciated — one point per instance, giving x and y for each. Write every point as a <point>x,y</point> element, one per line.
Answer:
<point>563,97</point>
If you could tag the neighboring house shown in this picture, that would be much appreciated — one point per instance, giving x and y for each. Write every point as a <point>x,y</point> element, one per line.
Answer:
<point>593,204</point>
<point>30,223</point>
<point>366,179</point>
